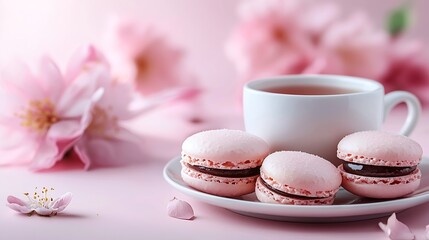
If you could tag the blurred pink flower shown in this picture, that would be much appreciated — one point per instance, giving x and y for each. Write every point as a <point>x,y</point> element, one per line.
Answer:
<point>44,113</point>
<point>278,37</point>
<point>139,54</point>
<point>269,40</point>
<point>105,142</point>
<point>354,47</point>
<point>40,203</point>
<point>409,68</point>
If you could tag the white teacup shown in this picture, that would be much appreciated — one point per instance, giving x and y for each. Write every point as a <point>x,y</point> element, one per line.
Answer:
<point>334,107</point>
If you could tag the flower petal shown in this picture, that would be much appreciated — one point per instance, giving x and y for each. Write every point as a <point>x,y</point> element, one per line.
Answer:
<point>66,130</point>
<point>180,209</point>
<point>50,78</point>
<point>12,102</point>
<point>117,99</point>
<point>62,202</point>
<point>44,211</point>
<point>79,94</point>
<point>19,208</point>
<point>395,229</point>
<point>144,57</point>
<point>14,157</point>
<point>14,138</point>
<point>124,135</point>
<point>18,79</point>
<point>18,205</point>
<point>85,55</point>
<point>15,200</point>
<point>81,150</point>
<point>19,154</point>
<point>110,152</point>
<point>48,153</point>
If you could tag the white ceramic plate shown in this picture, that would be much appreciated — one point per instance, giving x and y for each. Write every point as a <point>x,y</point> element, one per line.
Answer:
<point>347,207</point>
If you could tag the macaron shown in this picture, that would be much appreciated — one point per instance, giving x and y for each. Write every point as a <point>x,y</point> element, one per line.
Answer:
<point>297,178</point>
<point>379,164</point>
<point>223,162</point>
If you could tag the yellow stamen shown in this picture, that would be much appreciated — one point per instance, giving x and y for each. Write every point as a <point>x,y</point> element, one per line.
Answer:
<point>39,115</point>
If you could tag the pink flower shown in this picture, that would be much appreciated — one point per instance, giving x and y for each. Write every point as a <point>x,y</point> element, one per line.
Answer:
<point>354,47</point>
<point>40,203</point>
<point>395,229</point>
<point>278,37</point>
<point>409,69</point>
<point>270,40</point>
<point>105,141</point>
<point>44,113</point>
<point>144,57</point>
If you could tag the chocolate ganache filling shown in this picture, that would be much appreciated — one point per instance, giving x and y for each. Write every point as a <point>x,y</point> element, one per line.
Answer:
<point>285,194</point>
<point>376,171</point>
<point>230,173</point>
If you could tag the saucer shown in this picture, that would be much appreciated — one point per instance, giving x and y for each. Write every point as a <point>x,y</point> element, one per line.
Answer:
<point>346,207</point>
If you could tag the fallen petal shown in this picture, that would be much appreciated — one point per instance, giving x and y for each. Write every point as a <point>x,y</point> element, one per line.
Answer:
<point>395,229</point>
<point>180,209</point>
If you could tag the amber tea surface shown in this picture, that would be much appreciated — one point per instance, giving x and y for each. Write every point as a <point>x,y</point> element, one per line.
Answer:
<point>311,90</point>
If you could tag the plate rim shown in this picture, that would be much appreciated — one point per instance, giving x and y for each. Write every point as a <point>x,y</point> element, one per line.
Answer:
<point>301,211</point>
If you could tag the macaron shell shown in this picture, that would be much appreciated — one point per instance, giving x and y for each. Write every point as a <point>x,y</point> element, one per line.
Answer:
<point>220,186</point>
<point>267,196</point>
<point>301,174</point>
<point>383,188</point>
<point>246,164</point>
<point>379,148</point>
<point>225,149</point>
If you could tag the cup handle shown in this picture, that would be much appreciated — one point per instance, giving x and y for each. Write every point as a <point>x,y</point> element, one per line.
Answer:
<point>413,105</point>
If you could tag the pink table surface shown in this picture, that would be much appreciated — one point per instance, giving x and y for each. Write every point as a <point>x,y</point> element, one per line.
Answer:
<point>130,202</point>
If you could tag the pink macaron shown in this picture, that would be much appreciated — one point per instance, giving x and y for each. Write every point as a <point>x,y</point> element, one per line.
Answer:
<point>378,164</point>
<point>298,178</point>
<point>223,162</point>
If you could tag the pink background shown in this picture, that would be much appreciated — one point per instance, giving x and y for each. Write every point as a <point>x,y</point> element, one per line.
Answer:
<point>130,202</point>
<point>200,27</point>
